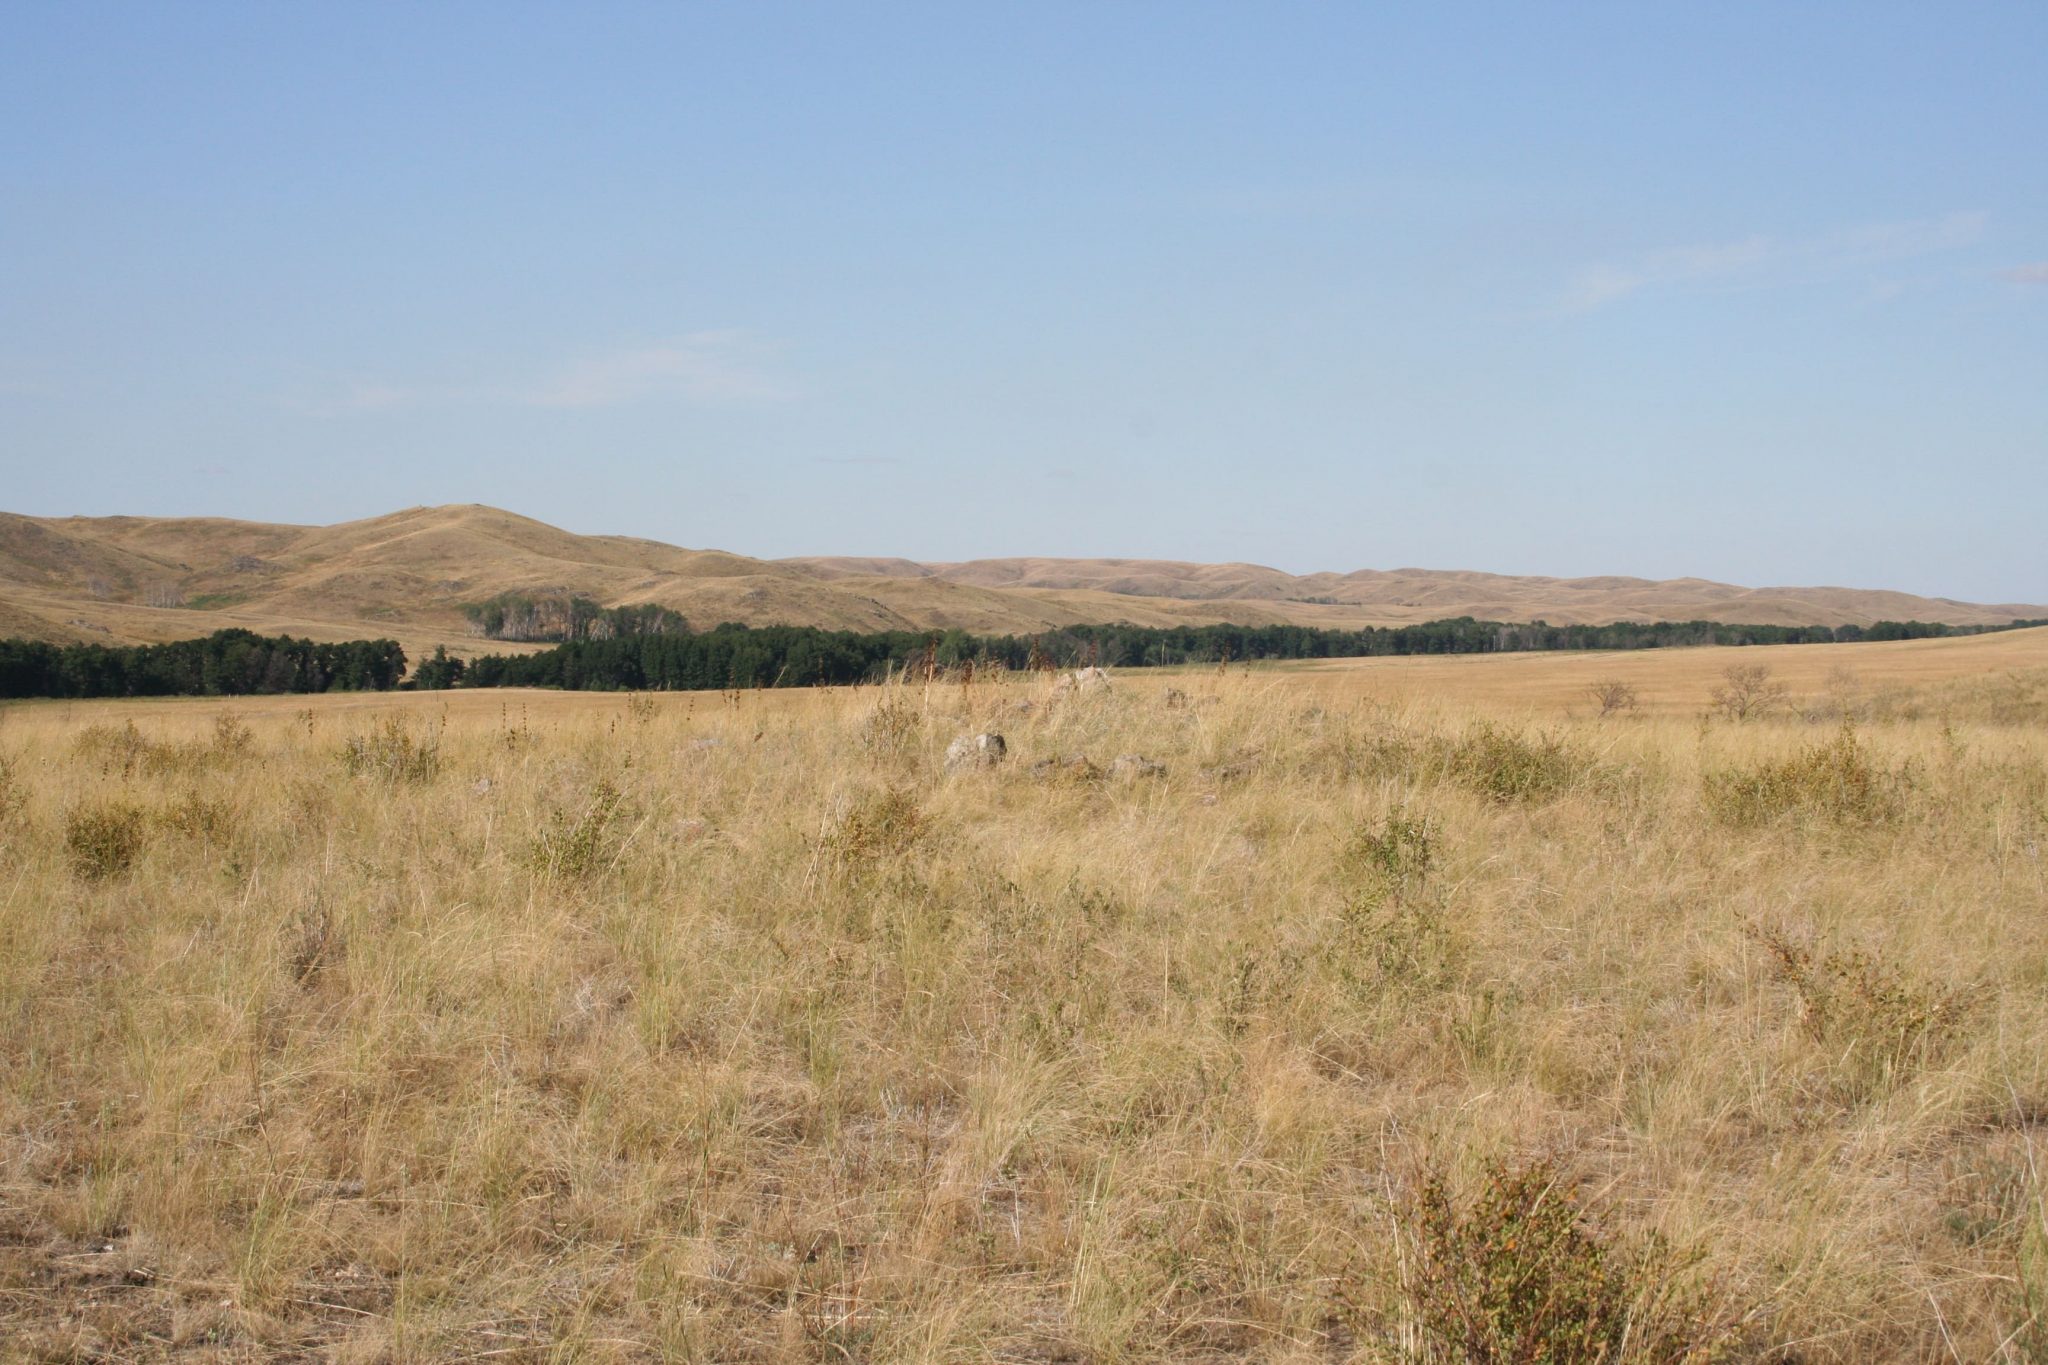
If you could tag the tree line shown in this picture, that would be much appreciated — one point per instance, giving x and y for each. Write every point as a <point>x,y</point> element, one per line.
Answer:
<point>242,663</point>
<point>560,619</point>
<point>230,663</point>
<point>736,656</point>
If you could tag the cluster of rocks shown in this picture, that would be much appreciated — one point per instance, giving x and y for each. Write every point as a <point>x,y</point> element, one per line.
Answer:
<point>1135,768</point>
<point>971,753</point>
<point>1071,767</point>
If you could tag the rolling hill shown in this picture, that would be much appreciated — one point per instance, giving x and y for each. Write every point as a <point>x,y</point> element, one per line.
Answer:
<point>409,574</point>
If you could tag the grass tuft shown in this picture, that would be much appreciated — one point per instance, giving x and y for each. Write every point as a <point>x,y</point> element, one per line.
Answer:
<point>392,753</point>
<point>585,840</point>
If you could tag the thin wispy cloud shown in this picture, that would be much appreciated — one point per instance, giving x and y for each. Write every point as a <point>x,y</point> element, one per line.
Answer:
<point>703,367</point>
<point>1762,260</point>
<point>1604,283</point>
<point>707,368</point>
<point>387,397</point>
<point>2034,273</point>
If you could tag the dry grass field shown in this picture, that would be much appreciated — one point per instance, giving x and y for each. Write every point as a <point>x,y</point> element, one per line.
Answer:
<point>1403,1010</point>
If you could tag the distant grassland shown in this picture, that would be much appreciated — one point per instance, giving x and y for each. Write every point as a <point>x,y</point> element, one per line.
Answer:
<point>1413,1012</point>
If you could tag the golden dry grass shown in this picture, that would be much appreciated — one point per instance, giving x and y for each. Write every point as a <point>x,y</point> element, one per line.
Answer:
<point>518,1026</point>
<point>1682,681</point>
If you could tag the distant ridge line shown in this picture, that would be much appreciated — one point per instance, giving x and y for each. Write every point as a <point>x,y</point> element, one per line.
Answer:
<point>410,574</point>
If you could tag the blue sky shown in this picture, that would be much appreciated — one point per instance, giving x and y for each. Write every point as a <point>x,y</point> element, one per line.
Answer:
<point>1757,293</point>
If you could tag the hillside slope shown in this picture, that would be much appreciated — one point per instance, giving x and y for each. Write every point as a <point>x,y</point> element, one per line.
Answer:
<point>409,574</point>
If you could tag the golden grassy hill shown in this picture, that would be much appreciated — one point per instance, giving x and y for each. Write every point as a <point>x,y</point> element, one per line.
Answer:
<point>408,575</point>
<point>1384,597</point>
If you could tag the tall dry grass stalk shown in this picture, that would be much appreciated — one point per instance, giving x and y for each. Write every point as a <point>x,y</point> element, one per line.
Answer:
<point>734,1028</point>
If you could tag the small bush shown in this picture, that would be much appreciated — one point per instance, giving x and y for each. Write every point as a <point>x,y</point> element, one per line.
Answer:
<point>392,753</point>
<point>231,738</point>
<point>197,817</point>
<point>103,840</point>
<point>1508,767</point>
<point>1394,944</point>
<point>1519,1277</point>
<point>313,942</point>
<point>1835,781</point>
<point>1613,696</point>
<point>1748,693</point>
<point>1391,934</point>
<point>584,842</point>
<point>121,747</point>
<point>891,729</point>
<point>885,825</point>
<point>1397,856</point>
<point>1874,1020</point>
<point>125,749</point>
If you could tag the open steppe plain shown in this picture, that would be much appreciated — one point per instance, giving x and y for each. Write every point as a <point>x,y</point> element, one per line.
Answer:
<point>1412,1006</point>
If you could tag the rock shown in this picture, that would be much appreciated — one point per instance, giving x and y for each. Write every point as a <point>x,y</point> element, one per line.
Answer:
<point>1072,767</point>
<point>975,751</point>
<point>1135,767</point>
<point>1236,768</point>
<point>1082,682</point>
<point>482,787</point>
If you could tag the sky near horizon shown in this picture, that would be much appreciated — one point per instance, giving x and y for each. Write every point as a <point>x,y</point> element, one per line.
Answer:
<point>1749,292</point>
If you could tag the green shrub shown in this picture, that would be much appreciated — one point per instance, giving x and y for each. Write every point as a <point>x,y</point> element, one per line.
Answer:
<point>1509,767</point>
<point>1400,945</point>
<point>585,841</point>
<point>1395,857</point>
<point>1518,1276</point>
<point>1835,781</point>
<point>1392,934</point>
<point>103,840</point>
